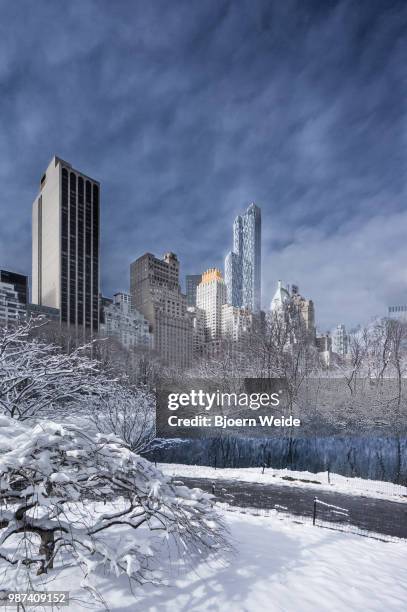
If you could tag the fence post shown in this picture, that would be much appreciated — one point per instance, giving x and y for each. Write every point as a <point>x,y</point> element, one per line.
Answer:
<point>314,516</point>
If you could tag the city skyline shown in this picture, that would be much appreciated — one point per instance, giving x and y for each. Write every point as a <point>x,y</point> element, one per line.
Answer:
<point>297,106</point>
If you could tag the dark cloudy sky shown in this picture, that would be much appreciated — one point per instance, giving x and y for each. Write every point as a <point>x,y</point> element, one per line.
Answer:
<point>187,111</point>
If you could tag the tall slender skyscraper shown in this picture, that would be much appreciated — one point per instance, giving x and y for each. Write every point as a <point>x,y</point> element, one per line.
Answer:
<point>243,264</point>
<point>65,262</point>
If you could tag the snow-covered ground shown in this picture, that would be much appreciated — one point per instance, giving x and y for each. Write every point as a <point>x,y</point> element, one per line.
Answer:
<point>341,484</point>
<point>278,566</point>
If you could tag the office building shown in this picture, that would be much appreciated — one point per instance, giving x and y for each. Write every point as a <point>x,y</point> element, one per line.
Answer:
<point>210,297</point>
<point>123,322</point>
<point>324,347</point>
<point>19,282</point>
<point>398,312</point>
<point>65,267</point>
<point>281,299</point>
<point>340,340</point>
<point>243,263</point>
<point>304,308</point>
<point>233,279</point>
<point>236,322</point>
<point>11,309</point>
<point>197,316</point>
<point>191,282</point>
<point>156,293</point>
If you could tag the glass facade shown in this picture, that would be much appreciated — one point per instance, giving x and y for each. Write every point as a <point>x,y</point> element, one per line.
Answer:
<point>233,279</point>
<point>64,246</point>
<point>79,250</point>
<point>243,264</point>
<point>192,281</point>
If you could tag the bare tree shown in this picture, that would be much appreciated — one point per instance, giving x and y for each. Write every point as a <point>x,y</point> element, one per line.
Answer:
<point>127,412</point>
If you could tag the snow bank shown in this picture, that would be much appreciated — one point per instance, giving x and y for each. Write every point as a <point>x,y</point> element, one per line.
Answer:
<point>279,566</point>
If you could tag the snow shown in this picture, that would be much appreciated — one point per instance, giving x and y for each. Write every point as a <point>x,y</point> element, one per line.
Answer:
<point>278,565</point>
<point>341,484</point>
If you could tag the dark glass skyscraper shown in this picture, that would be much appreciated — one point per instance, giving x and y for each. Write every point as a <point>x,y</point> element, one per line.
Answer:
<point>66,237</point>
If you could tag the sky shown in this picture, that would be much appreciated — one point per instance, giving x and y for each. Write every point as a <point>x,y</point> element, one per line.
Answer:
<point>187,111</point>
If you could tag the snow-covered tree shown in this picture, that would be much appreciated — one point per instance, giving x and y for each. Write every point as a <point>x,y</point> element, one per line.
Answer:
<point>68,497</point>
<point>38,378</point>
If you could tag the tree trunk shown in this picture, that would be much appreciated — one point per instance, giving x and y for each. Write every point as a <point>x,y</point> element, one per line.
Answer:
<point>46,549</point>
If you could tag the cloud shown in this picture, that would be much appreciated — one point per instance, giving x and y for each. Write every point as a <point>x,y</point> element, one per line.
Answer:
<point>188,111</point>
<point>358,269</point>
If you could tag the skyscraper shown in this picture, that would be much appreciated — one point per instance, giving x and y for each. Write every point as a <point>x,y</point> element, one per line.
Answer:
<point>243,263</point>
<point>211,296</point>
<point>156,293</point>
<point>192,281</point>
<point>65,263</point>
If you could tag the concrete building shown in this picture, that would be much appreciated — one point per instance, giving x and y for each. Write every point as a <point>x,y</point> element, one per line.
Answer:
<point>120,320</point>
<point>324,346</point>
<point>197,316</point>
<point>211,296</point>
<point>340,340</point>
<point>11,309</point>
<point>65,245</point>
<point>305,309</point>
<point>19,282</point>
<point>156,293</point>
<point>191,283</point>
<point>281,299</point>
<point>243,263</point>
<point>288,301</point>
<point>398,312</point>
<point>236,322</point>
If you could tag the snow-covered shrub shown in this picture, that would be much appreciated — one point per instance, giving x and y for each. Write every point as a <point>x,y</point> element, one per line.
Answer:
<point>66,495</point>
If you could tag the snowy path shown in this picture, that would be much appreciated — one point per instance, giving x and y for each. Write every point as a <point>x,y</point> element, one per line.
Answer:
<point>378,489</point>
<point>378,515</point>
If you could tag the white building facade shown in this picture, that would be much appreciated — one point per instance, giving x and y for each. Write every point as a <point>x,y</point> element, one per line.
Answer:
<point>210,297</point>
<point>340,340</point>
<point>122,321</point>
<point>236,322</point>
